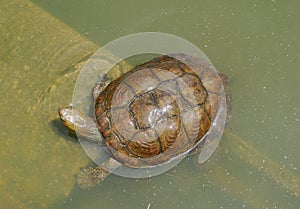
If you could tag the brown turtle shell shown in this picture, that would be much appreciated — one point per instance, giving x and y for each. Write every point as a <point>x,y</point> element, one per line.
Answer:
<point>159,110</point>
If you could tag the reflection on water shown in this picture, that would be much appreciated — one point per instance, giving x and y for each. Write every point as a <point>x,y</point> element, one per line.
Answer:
<point>257,163</point>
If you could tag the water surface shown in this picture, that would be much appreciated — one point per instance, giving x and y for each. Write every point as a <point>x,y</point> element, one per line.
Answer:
<point>256,43</point>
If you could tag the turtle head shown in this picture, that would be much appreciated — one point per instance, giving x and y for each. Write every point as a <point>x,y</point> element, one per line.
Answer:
<point>67,117</point>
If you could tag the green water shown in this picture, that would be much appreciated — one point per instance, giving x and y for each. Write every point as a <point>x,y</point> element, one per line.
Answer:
<point>256,43</point>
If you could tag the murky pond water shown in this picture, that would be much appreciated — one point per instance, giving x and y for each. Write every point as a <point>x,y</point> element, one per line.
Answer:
<point>257,163</point>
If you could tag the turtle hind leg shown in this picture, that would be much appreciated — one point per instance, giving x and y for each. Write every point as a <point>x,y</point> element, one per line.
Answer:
<point>90,177</point>
<point>228,97</point>
<point>103,81</point>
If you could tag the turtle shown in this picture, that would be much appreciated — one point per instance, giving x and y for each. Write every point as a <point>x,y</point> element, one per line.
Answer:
<point>150,115</point>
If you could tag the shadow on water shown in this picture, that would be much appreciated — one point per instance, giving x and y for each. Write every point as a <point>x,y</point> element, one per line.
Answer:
<point>60,130</point>
<point>209,179</point>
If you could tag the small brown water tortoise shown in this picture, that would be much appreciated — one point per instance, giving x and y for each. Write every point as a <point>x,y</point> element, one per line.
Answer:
<point>150,115</point>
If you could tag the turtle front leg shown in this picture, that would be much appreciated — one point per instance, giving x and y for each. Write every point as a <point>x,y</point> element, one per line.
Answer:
<point>90,177</point>
<point>103,81</point>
